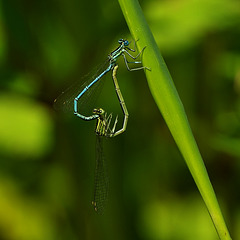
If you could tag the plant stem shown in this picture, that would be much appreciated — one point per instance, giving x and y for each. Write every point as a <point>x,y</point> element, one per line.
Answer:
<point>170,105</point>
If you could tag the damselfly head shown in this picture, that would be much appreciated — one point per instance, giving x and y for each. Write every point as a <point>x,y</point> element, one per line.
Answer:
<point>98,111</point>
<point>124,42</point>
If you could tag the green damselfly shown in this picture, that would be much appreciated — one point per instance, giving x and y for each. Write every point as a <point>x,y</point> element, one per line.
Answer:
<point>73,97</point>
<point>101,182</point>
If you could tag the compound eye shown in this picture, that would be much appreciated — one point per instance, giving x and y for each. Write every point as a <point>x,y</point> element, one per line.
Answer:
<point>100,111</point>
<point>126,43</point>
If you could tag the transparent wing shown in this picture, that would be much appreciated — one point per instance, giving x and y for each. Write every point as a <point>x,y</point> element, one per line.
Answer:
<point>65,101</point>
<point>101,181</point>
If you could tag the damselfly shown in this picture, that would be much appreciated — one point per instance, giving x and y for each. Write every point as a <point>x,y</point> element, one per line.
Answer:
<point>101,182</point>
<point>75,101</point>
<point>103,128</point>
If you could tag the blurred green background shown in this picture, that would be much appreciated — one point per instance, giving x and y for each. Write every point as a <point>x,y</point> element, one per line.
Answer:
<point>47,158</point>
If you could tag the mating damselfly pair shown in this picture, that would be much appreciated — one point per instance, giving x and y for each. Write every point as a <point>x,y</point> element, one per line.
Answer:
<point>76,100</point>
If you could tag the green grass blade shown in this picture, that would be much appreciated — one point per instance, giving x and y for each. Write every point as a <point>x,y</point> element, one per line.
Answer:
<point>170,105</point>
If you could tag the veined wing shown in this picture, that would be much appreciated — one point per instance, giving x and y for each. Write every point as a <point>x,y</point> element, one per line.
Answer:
<point>101,181</point>
<point>65,101</point>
